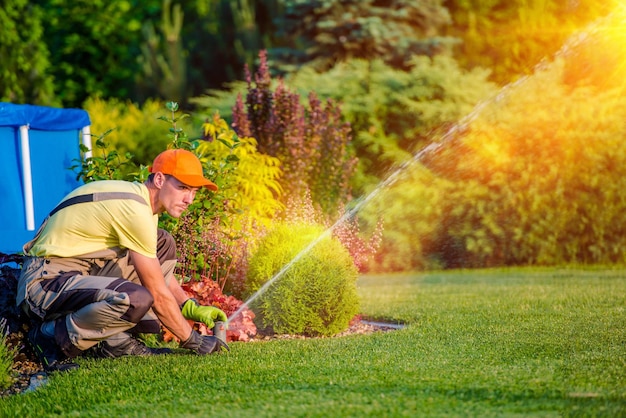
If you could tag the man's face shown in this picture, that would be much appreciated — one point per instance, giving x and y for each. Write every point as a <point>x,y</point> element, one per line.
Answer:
<point>175,196</point>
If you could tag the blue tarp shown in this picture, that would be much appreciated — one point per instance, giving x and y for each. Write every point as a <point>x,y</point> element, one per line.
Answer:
<point>43,118</point>
<point>54,138</point>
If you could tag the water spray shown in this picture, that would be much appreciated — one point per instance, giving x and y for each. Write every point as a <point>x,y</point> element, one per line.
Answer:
<point>364,200</point>
<point>447,137</point>
<point>346,216</point>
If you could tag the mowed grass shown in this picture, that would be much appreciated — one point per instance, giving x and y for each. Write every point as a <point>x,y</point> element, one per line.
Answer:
<point>517,342</point>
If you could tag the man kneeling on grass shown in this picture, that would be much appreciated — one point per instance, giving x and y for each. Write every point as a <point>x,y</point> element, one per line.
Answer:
<point>99,271</point>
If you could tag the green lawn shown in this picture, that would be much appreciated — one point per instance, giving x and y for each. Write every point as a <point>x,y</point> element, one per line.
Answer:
<point>519,342</point>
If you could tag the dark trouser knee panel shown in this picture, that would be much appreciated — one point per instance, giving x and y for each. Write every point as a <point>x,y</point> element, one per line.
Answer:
<point>141,300</point>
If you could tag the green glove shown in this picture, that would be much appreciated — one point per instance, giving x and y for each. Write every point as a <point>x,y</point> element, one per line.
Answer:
<point>206,314</point>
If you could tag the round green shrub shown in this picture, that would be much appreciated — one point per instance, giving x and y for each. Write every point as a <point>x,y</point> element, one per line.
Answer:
<point>316,295</point>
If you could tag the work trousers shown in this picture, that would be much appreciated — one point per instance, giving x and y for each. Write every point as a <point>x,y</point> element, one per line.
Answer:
<point>94,297</point>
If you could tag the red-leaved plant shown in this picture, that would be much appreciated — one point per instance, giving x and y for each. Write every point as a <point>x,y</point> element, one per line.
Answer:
<point>208,292</point>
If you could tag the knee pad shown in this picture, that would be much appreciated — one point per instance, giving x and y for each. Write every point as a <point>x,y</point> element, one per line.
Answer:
<point>140,300</point>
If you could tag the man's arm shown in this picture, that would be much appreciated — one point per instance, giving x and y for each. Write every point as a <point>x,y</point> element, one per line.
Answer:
<point>177,291</point>
<point>166,302</point>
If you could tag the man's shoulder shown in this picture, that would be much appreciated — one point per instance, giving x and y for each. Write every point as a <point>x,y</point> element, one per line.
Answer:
<point>109,186</point>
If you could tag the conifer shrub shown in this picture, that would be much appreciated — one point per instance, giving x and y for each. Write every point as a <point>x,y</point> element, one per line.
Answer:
<point>315,291</point>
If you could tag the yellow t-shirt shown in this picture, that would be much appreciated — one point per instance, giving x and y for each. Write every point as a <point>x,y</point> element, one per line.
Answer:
<point>84,228</point>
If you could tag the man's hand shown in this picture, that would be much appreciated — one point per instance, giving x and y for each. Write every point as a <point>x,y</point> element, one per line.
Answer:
<point>204,344</point>
<point>205,314</point>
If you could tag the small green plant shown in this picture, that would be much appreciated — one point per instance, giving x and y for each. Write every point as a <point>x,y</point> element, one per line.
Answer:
<point>104,163</point>
<point>179,138</point>
<point>316,295</point>
<point>7,354</point>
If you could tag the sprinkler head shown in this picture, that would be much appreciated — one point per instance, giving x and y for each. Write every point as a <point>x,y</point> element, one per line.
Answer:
<point>219,330</point>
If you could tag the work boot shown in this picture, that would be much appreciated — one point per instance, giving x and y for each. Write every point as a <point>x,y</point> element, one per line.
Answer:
<point>48,352</point>
<point>127,347</point>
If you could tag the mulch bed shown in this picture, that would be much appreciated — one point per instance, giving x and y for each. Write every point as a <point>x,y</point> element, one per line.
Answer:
<point>25,365</point>
<point>357,327</point>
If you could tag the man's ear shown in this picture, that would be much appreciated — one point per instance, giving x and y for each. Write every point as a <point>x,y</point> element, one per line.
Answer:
<point>159,179</point>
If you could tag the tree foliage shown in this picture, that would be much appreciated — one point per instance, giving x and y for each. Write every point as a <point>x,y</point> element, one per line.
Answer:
<point>535,177</point>
<point>512,36</point>
<point>67,51</point>
<point>94,46</point>
<point>162,58</point>
<point>394,113</point>
<point>130,49</point>
<point>25,60</point>
<point>323,33</point>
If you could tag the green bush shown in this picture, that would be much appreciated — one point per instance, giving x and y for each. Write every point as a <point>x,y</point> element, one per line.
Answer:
<point>316,295</point>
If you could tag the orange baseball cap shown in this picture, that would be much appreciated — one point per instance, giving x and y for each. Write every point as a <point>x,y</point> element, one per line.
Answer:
<point>184,166</point>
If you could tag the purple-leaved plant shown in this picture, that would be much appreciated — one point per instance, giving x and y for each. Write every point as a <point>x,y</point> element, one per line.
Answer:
<point>312,142</point>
